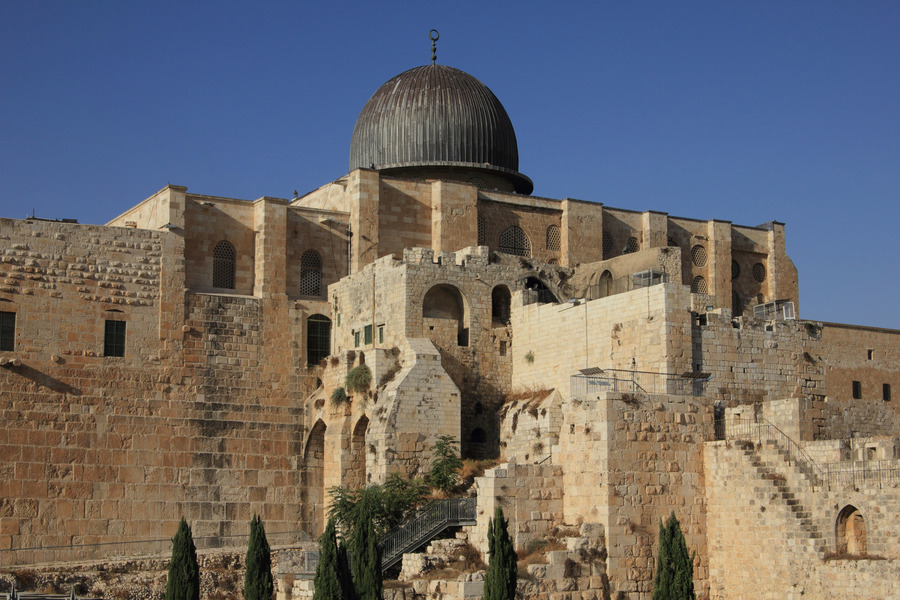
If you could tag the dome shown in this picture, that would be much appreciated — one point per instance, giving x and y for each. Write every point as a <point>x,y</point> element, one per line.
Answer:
<point>438,122</point>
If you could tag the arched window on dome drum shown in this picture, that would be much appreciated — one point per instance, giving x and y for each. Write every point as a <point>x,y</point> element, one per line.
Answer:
<point>514,241</point>
<point>553,238</point>
<point>698,286</point>
<point>223,265</point>
<point>318,338</point>
<point>310,274</point>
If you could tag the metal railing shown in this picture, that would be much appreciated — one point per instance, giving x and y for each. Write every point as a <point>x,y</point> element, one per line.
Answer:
<point>424,525</point>
<point>765,432</point>
<point>862,474</point>
<point>636,382</point>
<point>136,549</point>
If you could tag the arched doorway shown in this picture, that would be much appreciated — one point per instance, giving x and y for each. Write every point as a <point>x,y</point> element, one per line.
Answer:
<point>850,532</point>
<point>444,302</point>
<point>314,462</point>
<point>356,477</point>
<point>500,303</point>
<point>605,284</point>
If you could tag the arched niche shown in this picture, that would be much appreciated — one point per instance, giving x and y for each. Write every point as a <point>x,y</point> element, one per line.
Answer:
<point>314,467</point>
<point>356,476</point>
<point>850,532</point>
<point>544,294</point>
<point>501,299</point>
<point>446,303</point>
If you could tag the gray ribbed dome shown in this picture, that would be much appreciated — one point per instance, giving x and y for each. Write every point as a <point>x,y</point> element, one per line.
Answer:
<point>437,119</point>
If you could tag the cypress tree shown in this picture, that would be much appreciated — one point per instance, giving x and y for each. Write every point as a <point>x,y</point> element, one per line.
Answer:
<point>503,570</point>
<point>674,578</point>
<point>258,583</point>
<point>365,552</point>
<point>184,573</point>
<point>327,583</point>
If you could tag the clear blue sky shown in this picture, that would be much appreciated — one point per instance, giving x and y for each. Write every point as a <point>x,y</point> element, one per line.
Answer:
<point>741,111</point>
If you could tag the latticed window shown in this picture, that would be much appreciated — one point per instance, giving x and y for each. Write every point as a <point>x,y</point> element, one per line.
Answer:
<point>514,241</point>
<point>759,272</point>
<point>310,274</point>
<point>114,339</point>
<point>607,244</point>
<point>481,236</point>
<point>318,338</point>
<point>553,238</point>
<point>223,265</point>
<point>698,256</point>
<point>698,286</point>
<point>633,245</point>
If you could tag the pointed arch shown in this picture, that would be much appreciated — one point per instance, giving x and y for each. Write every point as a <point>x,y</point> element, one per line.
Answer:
<point>314,471</point>
<point>850,532</point>
<point>357,477</point>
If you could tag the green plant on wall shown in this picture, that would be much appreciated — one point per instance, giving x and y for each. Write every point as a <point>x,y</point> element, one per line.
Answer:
<point>358,379</point>
<point>529,357</point>
<point>339,396</point>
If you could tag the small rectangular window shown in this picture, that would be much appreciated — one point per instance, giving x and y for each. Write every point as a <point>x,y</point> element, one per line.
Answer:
<point>114,339</point>
<point>886,392</point>
<point>381,334</point>
<point>870,354</point>
<point>7,331</point>
<point>857,390</point>
<point>503,348</point>
<point>368,335</point>
<point>356,339</point>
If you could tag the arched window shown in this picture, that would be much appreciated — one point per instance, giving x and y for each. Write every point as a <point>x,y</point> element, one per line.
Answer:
<point>698,286</point>
<point>607,244</point>
<point>633,245</point>
<point>444,301</point>
<point>223,265</point>
<point>310,274</point>
<point>513,241</point>
<point>500,302</point>
<point>850,532</point>
<point>605,284</point>
<point>318,338</point>
<point>553,238</point>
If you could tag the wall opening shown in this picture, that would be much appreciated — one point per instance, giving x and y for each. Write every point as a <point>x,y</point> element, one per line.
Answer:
<point>446,302</point>
<point>224,258</point>
<point>314,462</point>
<point>514,241</point>
<point>310,274</point>
<point>318,338</point>
<point>501,298</point>
<point>850,532</point>
<point>356,477</point>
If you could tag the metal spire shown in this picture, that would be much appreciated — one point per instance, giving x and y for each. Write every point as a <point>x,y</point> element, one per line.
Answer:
<point>433,35</point>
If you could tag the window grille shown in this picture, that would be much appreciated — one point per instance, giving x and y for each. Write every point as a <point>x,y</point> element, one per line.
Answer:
<point>633,245</point>
<point>759,272</point>
<point>223,265</point>
<point>513,241</point>
<point>857,390</point>
<point>481,236</point>
<point>318,338</point>
<point>698,286</point>
<point>886,392</point>
<point>607,244</point>
<point>553,238</point>
<point>698,256</point>
<point>114,339</point>
<point>7,331</point>
<point>367,335</point>
<point>356,339</point>
<point>310,274</point>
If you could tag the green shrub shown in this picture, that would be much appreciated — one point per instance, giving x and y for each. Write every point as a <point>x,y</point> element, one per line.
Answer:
<point>358,379</point>
<point>339,396</point>
<point>445,465</point>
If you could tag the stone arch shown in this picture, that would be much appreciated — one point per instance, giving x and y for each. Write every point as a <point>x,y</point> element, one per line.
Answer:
<point>445,302</point>
<point>850,532</point>
<point>224,260</point>
<point>501,299</point>
<point>545,295</point>
<point>605,284</point>
<point>314,466</point>
<point>357,477</point>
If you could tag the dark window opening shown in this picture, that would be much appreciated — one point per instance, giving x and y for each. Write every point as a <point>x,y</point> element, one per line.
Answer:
<point>7,331</point>
<point>224,258</point>
<point>886,392</point>
<point>356,339</point>
<point>114,339</point>
<point>310,274</point>
<point>318,338</point>
<point>857,390</point>
<point>367,335</point>
<point>870,354</point>
<point>500,303</point>
<point>503,348</point>
<point>514,241</point>
<point>381,334</point>
<point>478,436</point>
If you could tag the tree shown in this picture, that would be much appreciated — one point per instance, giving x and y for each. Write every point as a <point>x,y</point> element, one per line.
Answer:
<point>365,552</point>
<point>184,573</point>
<point>674,578</point>
<point>332,581</point>
<point>445,465</point>
<point>386,504</point>
<point>258,583</point>
<point>503,569</point>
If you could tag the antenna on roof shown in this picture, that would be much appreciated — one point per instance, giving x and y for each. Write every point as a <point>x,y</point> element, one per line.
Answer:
<point>434,36</point>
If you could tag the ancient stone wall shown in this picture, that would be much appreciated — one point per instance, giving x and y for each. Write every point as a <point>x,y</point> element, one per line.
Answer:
<point>404,216</point>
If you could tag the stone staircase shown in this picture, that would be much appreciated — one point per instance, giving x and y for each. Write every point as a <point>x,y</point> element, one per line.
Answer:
<point>772,466</point>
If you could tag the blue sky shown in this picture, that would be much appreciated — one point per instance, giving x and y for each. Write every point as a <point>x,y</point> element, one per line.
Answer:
<point>741,111</point>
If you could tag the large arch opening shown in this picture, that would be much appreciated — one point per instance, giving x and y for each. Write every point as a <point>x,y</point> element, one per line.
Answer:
<point>850,532</point>
<point>544,294</point>
<point>444,309</point>
<point>356,476</point>
<point>314,462</point>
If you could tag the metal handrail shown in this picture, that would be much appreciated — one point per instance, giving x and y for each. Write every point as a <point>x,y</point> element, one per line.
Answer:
<point>636,382</point>
<point>764,431</point>
<point>859,474</point>
<point>424,525</point>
